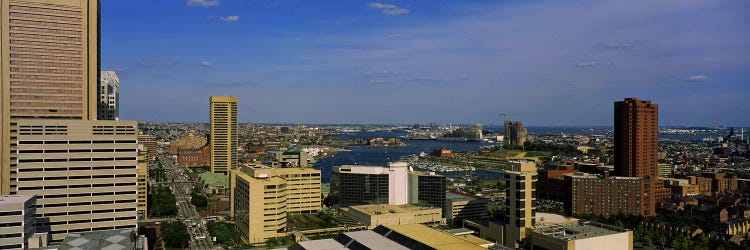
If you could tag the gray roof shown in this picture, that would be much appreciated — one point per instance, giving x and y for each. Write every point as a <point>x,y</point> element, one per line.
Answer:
<point>117,239</point>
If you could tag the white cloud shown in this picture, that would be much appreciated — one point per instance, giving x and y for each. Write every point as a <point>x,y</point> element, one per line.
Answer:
<point>206,64</point>
<point>697,78</point>
<point>203,3</point>
<point>389,9</point>
<point>587,64</point>
<point>230,19</point>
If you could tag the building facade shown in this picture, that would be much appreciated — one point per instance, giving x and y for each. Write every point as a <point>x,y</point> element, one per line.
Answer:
<point>520,181</point>
<point>460,207</point>
<point>302,184</point>
<point>391,215</point>
<point>142,183</point>
<point>604,195</point>
<point>17,219</point>
<point>427,189</point>
<point>49,67</point>
<point>194,157</point>
<point>364,185</point>
<point>109,96</point>
<point>259,205</point>
<point>84,173</point>
<point>150,145</point>
<point>515,133</point>
<point>224,135</point>
<point>636,144</point>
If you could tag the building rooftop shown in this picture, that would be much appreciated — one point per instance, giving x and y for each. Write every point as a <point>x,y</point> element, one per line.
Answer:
<point>388,209</point>
<point>327,244</point>
<point>117,239</point>
<point>579,230</point>
<point>14,199</point>
<point>460,197</point>
<point>438,239</point>
<point>371,240</point>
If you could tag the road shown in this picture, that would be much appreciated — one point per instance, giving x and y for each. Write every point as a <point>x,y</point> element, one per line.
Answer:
<point>181,187</point>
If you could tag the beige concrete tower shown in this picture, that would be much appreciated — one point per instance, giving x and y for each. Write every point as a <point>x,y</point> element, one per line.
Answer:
<point>223,133</point>
<point>49,67</point>
<point>521,181</point>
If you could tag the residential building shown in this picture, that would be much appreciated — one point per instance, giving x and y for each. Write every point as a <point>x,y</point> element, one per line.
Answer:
<point>665,170</point>
<point>83,172</point>
<point>520,182</point>
<point>605,195</point>
<point>389,215</point>
<point>187,141</point>
<point>44,76</point>
<point>142,183</point>
<point>17,219</point>
<point>194,157</point>
<point>515,133</point>
<point>459,207</point>
<point>223,133</point>
<point>109,96</point>
<point>150,145</point>
<point>259,205</point>
<point>580,235</point>
<point>302,184</point>
<point>636,144</point>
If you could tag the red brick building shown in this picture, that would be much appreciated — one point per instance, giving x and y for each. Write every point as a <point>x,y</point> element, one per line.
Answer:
<point>194,157</point>
<point>604,195</point>
<point>442,152</point>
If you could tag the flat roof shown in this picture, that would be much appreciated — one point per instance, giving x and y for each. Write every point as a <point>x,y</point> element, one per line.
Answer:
<point>106,240</point>
<point>579,230</point>
<point>457,196</point>
<point>214,179</point>
<point>327,244</point>
<point>438,239</point>
<point>14,199</point>
<point>373,240</point>
<point>389,209</point>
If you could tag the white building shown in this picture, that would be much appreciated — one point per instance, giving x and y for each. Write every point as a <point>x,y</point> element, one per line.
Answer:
<point>108,104</point>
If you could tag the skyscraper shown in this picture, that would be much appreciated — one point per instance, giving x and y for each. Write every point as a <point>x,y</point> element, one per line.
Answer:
<point>636,146</point>
<point>49,67</point>
<point>109,96</point>
<point>636,138</point>
<point>515,133</point>
<point>223,133</point>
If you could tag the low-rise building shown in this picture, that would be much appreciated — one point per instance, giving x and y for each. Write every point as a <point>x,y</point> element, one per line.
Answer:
<point>390,215</point>
<point>580,235</point>
<point>258,206</point>
<point>194,157</point>
<point>302,184</point>
<point>17,221</point>
<point>604,195</point>
<point>122,239</point>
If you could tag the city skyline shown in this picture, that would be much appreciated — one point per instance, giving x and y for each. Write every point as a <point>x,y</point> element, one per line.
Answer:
<point>549,63</point>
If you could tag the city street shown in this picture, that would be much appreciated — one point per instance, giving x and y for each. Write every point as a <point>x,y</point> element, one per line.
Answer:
<point>181,187</point>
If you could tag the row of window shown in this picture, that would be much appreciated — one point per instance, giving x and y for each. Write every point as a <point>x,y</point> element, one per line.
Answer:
<point>53,178</point>
<point>56,196</point>
<point>46,37</point>
<point>45,104</point>
<point>76,12</point>
<point>46,77</point>
<point>78,142</point>
<point>121,184</point>
<point>45,30</point>
<point>45,111</point>
<point>43,43</point>
<point>79,159</point>
<point>45,17</point>
<point>86,150</point>
<point>45,97</point>
<point>46,71</point>
<point>46,64</point>
<point>42,23</point>
<point>46,84</point>
<point>73,169</point>
<point>47,51</point>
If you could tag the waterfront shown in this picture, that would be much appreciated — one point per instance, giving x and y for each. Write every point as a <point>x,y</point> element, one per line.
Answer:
<point>379,156</point>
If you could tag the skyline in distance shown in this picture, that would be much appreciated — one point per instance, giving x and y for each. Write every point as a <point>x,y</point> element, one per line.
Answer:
<point>546,63</point>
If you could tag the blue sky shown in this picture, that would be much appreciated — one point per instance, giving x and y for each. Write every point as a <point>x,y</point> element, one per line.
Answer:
<point>549,63</point>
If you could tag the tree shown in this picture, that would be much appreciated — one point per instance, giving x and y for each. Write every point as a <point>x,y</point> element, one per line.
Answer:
<point>162,202</point>
<point>662,240</point>
<point>175,234</point>
<point>225,233</point>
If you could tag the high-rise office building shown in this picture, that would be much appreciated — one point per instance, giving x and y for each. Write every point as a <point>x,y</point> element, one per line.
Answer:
<point>520,202</point>
<point>223,133</point>
<point>84,173</point>
<point>149,145</point>
<point>142,182</point>
<point>109,96</point>
<point>636,136</point>
<point>302,185</point>
<point>259,205</point>
<point>427,189</point>
<point>49,67</point>
<point>515,133</point>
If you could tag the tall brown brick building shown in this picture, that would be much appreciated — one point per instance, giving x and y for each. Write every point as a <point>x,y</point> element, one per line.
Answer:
<point>637,147</point>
